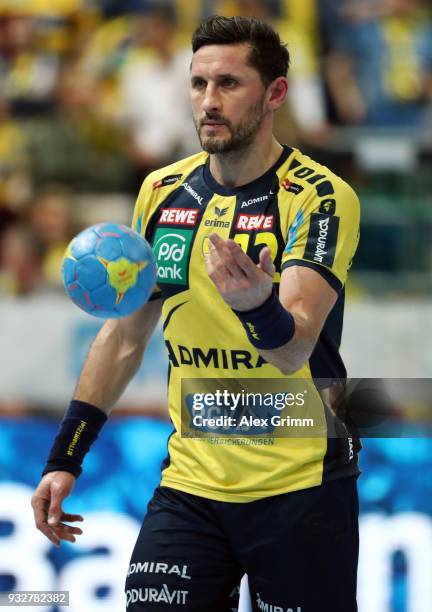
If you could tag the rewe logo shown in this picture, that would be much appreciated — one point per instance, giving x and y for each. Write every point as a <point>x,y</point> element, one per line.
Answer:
<point>179,216</point>
<point>320,251</point>
<point>171,249</point>
<point>254,222</point>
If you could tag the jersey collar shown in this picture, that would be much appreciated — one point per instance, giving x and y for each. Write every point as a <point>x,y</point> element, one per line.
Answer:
<point>255,184</point>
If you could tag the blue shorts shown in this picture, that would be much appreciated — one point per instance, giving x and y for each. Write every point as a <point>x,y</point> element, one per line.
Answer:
<point>299,550</point>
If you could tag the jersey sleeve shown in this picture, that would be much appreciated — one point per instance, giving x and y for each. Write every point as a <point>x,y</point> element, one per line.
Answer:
<point>141,216</point>
<point>323,233</point>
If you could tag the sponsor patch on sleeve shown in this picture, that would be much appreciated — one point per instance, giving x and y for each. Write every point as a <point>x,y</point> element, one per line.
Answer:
<point>292,187</point>
<point>167,180</point>
<point>328,207</point>
<point>322,239</point>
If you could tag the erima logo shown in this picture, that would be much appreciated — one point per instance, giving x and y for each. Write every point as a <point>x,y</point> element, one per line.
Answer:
<point>219,212</point>
<point>263,198</point>
<point>320,251</point>
<point>179,216</point>
<point>193,193</point>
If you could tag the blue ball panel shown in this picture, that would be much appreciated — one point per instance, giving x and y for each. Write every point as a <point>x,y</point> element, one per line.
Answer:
<point>68,271</point>
<point>104,298</point>
<point>106,314</point>
<point>80,297</point>
<point>109,248</point>
<point>135,247</point>
<point>84,244</point>
<point>91,273</point>
<point>106,230</point>
<point>131,301</point>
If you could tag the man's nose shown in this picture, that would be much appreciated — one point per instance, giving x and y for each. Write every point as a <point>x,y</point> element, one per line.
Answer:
<point>211,100</point>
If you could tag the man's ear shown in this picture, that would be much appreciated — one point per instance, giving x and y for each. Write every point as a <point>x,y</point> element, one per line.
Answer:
<point>277,92</point>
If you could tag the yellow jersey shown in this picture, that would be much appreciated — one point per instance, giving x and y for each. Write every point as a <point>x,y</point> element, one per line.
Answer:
<point>308,216</point>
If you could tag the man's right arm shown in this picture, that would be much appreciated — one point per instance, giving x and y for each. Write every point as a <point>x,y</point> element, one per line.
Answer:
<point>114,358</point>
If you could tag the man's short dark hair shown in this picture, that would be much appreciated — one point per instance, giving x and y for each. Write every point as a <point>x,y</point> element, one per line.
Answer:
<point>269,55</point>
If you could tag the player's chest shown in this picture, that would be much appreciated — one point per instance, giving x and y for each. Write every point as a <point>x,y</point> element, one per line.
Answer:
<point>182,223</point>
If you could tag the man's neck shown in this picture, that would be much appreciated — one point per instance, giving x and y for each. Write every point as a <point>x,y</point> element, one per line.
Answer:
<point>242,167</point>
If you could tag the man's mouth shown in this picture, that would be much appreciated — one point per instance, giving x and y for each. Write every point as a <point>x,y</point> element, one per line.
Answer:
<point>212,123</point>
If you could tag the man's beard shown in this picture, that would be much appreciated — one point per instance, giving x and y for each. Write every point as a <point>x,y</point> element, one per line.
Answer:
<point>241,135</point>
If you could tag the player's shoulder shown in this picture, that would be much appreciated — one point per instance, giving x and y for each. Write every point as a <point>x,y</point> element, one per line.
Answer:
<point>159,184</point>
<point>313,180</point>
<point>173,173</point>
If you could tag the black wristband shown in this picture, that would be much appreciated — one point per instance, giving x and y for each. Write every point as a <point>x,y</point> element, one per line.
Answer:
<point>270,325</point>
<point>78,430</point>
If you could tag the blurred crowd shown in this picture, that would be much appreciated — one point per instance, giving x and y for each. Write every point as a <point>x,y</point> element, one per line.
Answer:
<point>94,95</point>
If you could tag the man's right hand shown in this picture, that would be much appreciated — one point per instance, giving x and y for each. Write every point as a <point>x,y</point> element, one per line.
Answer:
<point>47,507</point>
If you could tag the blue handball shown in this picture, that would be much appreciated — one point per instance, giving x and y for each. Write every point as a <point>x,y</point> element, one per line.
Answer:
<point>109,270</point>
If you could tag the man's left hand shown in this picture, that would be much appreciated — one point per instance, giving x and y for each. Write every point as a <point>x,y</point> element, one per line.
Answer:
<point>242,284</point>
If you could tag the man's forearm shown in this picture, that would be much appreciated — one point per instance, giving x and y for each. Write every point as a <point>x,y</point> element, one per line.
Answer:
<point>115,357</point>
<point>109,367</point>
<point>290,357</point>
<point>282,337</point>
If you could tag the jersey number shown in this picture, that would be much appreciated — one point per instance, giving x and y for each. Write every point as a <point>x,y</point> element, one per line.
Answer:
<point>265,238</point>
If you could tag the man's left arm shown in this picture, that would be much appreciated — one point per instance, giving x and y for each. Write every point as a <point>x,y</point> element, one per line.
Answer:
<point>303,295</point>
<point>321,243</point>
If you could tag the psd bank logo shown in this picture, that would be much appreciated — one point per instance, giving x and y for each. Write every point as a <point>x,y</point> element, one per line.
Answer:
<point>171,249</point>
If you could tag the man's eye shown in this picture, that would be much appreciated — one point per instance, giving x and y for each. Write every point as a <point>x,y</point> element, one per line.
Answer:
<point>229,82</point>
<point>198,83</point>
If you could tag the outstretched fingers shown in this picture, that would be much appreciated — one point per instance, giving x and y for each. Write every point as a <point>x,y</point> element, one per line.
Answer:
<point>40,509</point>
<point>242,261</point>
<point>220,247</point>
<point>53,525</point>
